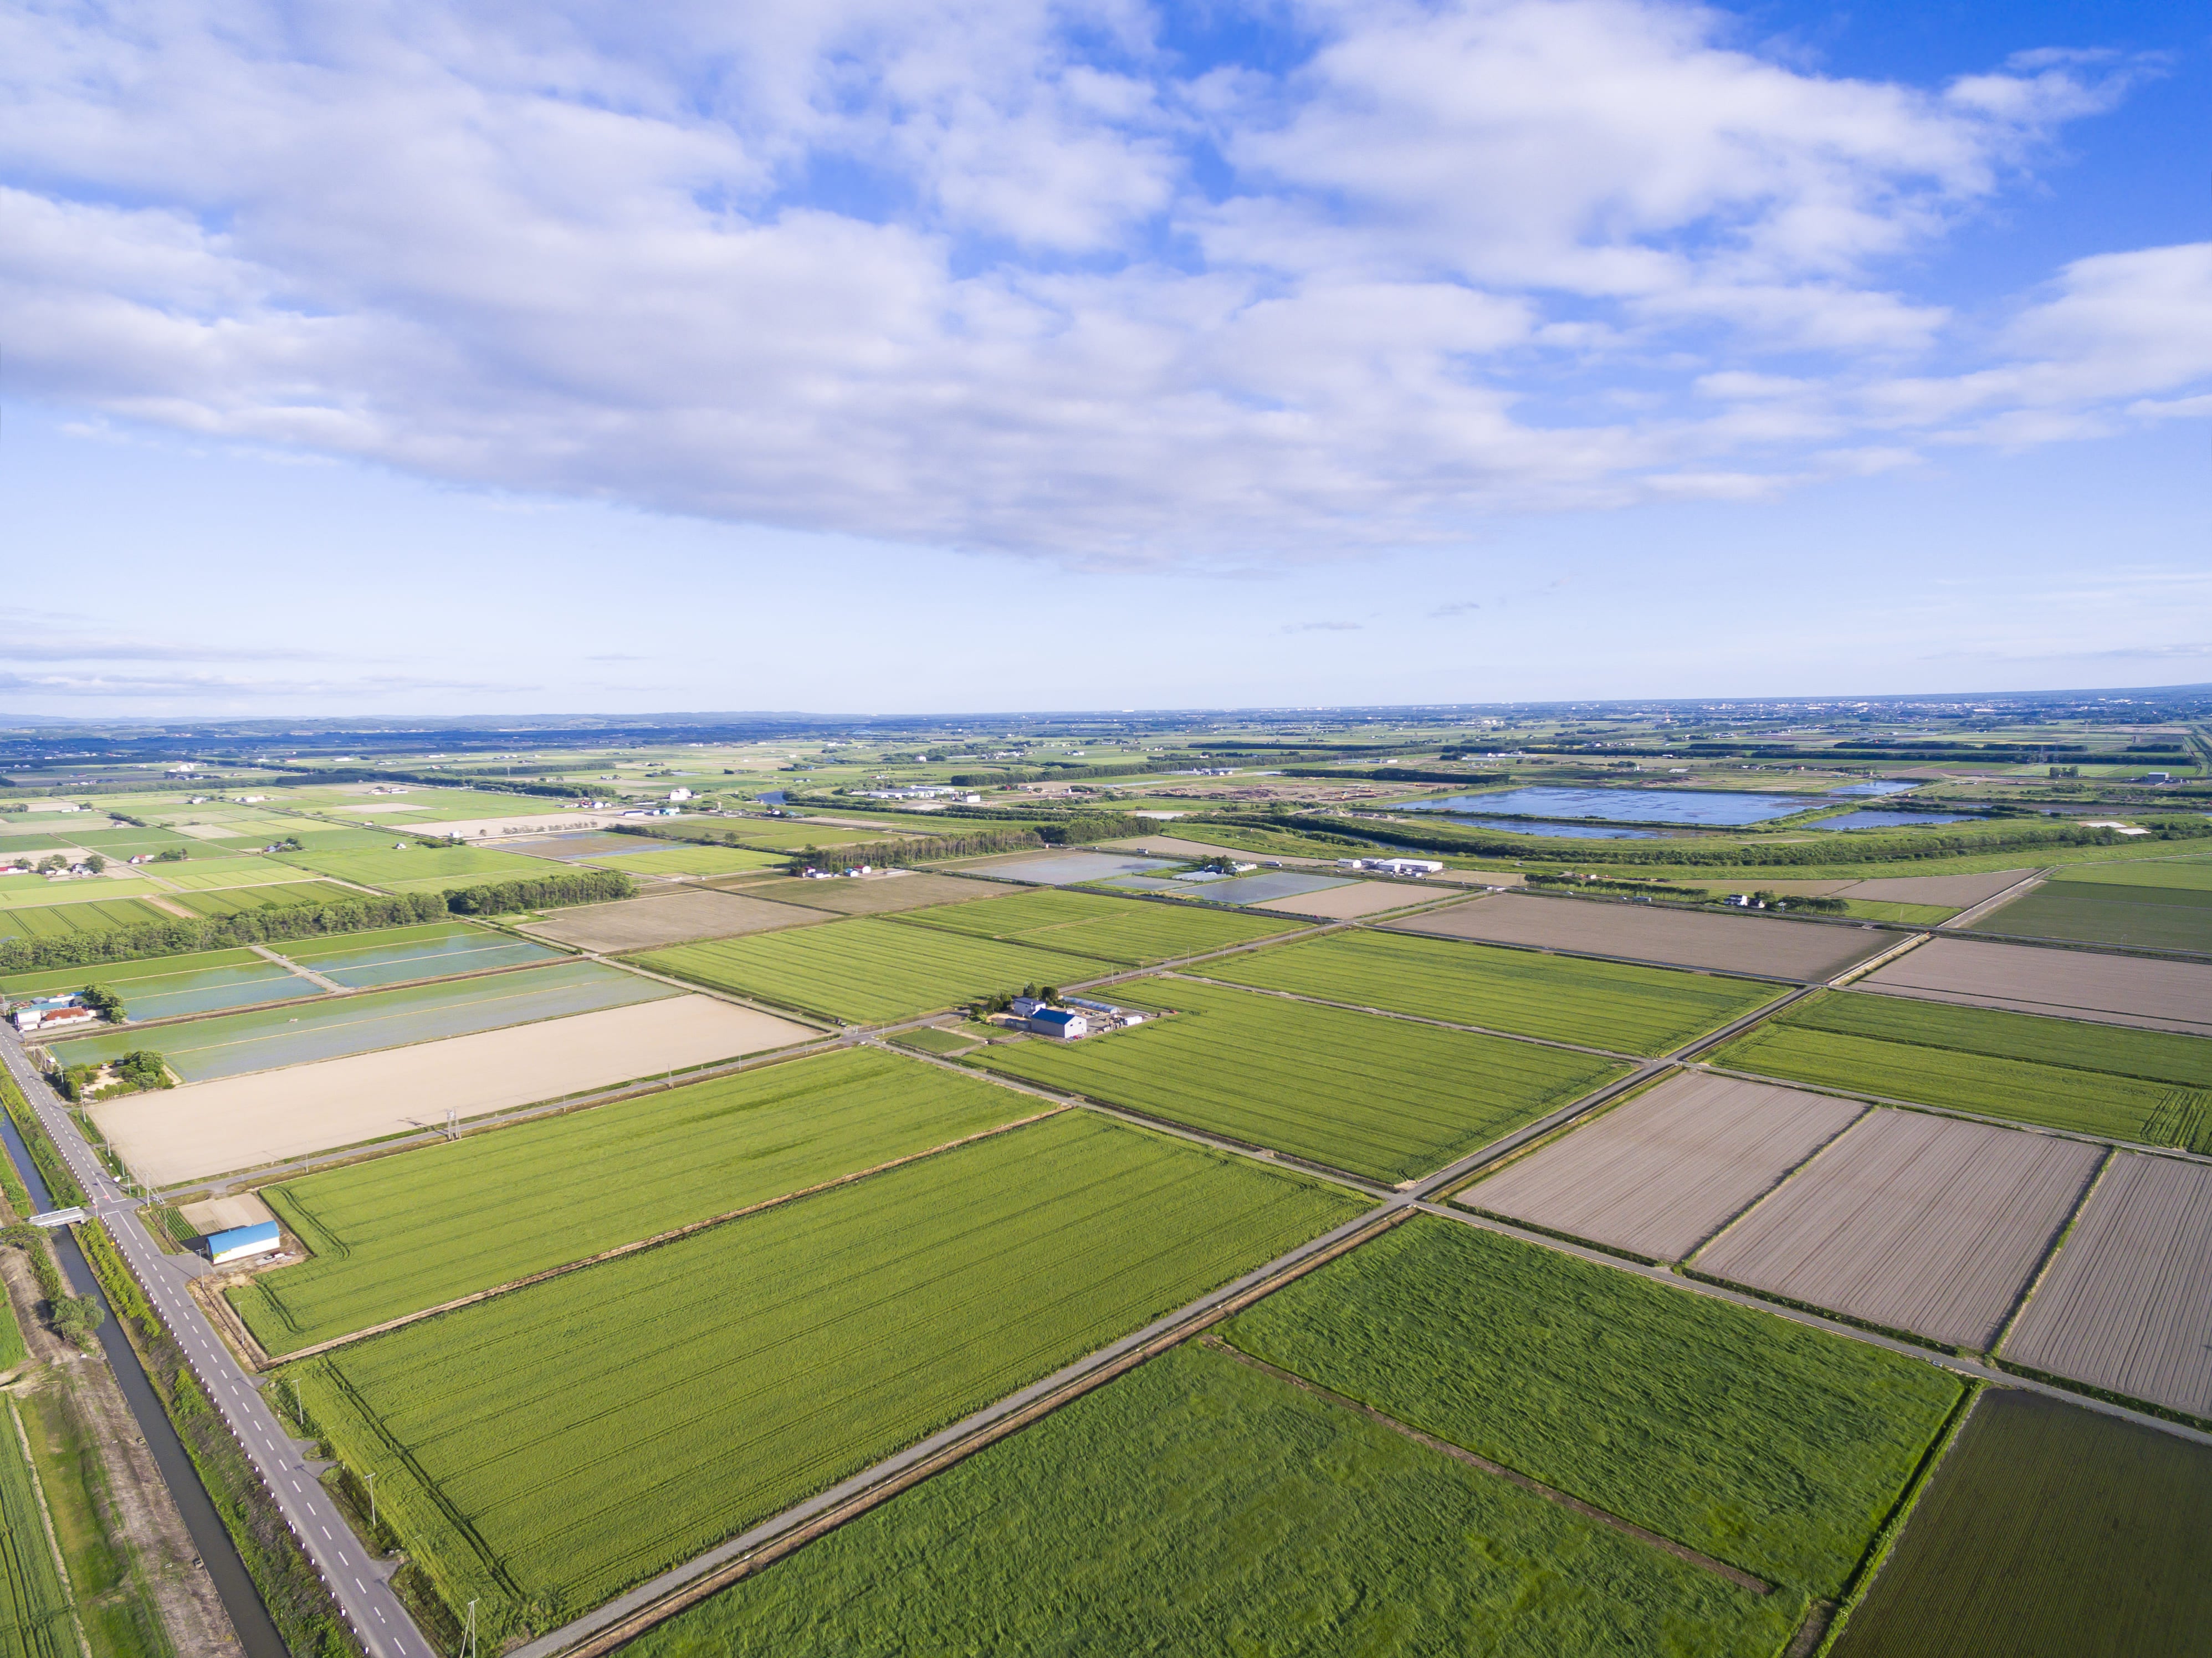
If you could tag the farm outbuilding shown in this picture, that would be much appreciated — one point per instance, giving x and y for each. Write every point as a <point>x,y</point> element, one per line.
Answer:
<point>243,1242</point>
<point>1057,1022</point>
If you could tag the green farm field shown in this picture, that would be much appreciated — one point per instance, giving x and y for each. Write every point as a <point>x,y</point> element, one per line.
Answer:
<point>545,1448</point>
<point>1777,1448</point>
<point>235,901</point>
<point>170,986</point>
<point>1608,1004</point>
<point>2048,1529</point>
<point>692,860</point>
<point>1127,931</point>
<point>419,869</point>
<point>1197,1506</point>
<point>867,969</point>
<point>2153,1087</point>
<point>235,1043</point>
<point>12,1350</point>
<point>403,1233</point>
<point>2174,875</point>
<point>209,874</point>
<point>1378,1097</point>
<point>36,892</point>
<point>63,921</point>
<point>2109,911</point>
<point>34,1605</point>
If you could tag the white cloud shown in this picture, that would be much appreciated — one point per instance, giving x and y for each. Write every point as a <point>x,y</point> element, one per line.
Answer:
<point>960,271</point>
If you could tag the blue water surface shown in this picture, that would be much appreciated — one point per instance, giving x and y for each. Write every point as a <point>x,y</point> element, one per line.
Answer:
<point>1876,786</point>
<point>1703,806</point>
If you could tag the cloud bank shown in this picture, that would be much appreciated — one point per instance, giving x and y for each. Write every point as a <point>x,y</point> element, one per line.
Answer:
<point>1050,280</point>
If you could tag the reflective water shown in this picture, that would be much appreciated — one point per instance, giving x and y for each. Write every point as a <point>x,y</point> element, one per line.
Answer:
<point>1876,786</point>
<point>1704,806</point>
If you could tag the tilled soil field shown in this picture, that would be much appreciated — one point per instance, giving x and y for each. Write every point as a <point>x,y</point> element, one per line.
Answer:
<point>1768,945</point>
<point>1664,1172</point>
<point>2127,1304</point>
<point>2069,984</point>
<point>673,919</point>
<point>1912,1222</point>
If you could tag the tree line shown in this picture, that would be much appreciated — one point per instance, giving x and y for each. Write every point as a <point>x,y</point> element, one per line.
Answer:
<point>181,937</point>
<point>1454,839</point>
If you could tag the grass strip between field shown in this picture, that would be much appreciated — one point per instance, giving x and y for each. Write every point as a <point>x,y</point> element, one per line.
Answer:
<point>1381,1098</point>
<point>2152,1087</point>
<point>541,1450</point>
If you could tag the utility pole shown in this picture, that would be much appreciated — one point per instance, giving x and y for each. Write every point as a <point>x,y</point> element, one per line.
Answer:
<point>469,1634</point>
<point>372,1506</point>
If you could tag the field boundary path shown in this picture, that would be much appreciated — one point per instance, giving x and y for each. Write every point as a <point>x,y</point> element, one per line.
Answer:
<point>308,974</point>
<point>1973,912</point>
<point>357,1581</point>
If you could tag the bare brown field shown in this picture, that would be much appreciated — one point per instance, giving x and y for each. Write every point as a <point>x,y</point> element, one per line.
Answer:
<point>1949,891</point>
<point>868,895</point>
<point>1346,903</point>
<point>1772,945</point>
<point>219,1214</point>
<point>2068,984</point>
<point>2127,1305</point>
<point>1911,1222</point>
<point>244,1122</point>
<point>674,918</point>
<point>1664,1172</point>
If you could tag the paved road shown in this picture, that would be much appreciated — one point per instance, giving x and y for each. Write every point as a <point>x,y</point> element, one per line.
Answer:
<point>356,1580</point>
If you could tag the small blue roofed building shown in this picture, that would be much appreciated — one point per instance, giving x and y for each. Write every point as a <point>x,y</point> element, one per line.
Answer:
<point>243,1242</point>
<point>1058,1022</point>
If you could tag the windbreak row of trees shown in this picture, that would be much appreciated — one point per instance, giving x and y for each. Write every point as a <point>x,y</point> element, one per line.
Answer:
<point>901,854</point>
<point>269,926</point>
<point>1840,849</point>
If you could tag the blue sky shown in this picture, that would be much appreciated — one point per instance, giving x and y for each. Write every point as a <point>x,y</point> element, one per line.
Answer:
<point>989,354</point>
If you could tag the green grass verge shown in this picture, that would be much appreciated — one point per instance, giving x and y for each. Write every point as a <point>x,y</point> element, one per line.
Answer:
<point>2153,1087</point>
<point>1197,1506</point>
<point>1373,1096</point>
<point>1777,1448</point>
<point>402,1233</point>
<point>542,1450</point>
<point>2049,1528</point>
<point>105,1576</point>
<point>868,969</point>
<point>1609,1004</point>
<point>305,1616</point>
<point>1122,930</point>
